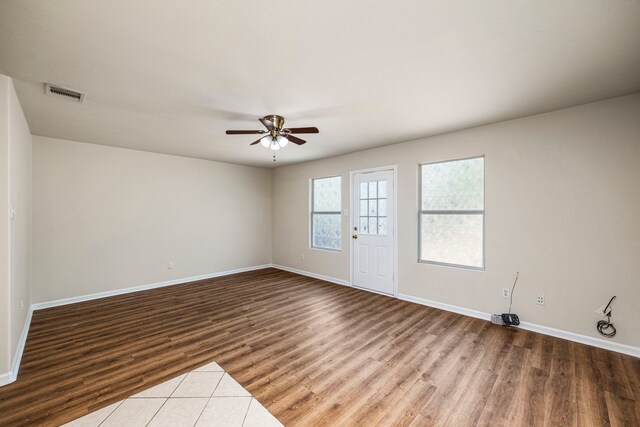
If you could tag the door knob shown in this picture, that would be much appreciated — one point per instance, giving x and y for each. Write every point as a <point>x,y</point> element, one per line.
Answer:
<point>355,236</point>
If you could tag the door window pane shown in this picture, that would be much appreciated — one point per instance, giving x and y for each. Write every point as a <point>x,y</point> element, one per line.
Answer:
<point>363,208</point>
<point>373,225</point>
<point>382,225</point>
<point>382,207</point>
<point>382,189</point>
<point>364,192</point>
<point>373,189</point>
<point>373,208</point>
<point>364,225</point>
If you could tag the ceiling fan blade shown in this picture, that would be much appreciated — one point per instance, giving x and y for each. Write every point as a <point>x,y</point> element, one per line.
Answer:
<point>267,123</point>
<point>302,130</point>
<point>295,139</point>
<point>243,132</point>
<point>255,142</point>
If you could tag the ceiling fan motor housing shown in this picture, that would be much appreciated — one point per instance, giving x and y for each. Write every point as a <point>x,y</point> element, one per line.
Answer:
<point>278,123</point>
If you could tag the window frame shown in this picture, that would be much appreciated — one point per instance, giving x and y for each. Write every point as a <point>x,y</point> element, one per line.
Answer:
<point>312,212</point>
<point>453,212</point>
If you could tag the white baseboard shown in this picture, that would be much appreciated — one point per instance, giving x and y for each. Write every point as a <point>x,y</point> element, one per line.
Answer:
<point>445,307</point>
<point>11,376</point>
<point>570,336</point>
<point>6,378</point>
<point>583,339</point>
<point>314,275</point>
<point>89,297</point>
<point>17,358</point>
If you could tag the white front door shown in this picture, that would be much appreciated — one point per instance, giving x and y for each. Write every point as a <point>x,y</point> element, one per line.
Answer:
<point>372,231</point>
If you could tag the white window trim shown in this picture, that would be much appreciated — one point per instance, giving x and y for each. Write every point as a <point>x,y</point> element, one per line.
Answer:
<point>452,212</point>
<point>312,212</point>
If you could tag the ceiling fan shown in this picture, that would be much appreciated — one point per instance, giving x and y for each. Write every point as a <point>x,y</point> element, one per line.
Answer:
<point>277,136</point>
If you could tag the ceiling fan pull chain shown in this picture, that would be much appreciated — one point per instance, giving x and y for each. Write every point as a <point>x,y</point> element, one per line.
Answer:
<point>274,156</point>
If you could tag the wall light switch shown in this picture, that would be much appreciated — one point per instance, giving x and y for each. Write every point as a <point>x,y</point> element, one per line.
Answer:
<point>170,265</point>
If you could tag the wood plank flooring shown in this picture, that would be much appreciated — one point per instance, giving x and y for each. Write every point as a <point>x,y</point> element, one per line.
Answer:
<point>315,354</point>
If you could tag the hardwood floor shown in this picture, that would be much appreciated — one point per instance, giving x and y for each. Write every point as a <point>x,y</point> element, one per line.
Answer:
<point>315,353</point>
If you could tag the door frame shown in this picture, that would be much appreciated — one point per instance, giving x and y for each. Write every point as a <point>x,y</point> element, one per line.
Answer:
<point>354,209</point>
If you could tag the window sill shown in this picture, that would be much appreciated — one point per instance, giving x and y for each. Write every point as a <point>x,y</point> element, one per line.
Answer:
<point>444,264</point>
<point>333,251</point>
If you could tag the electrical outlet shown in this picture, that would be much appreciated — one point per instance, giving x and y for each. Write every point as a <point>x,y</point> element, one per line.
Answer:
<point>170,265</point>
<point>302,257</point>
<point>540,299</point>
<point>506,292</point>
<point>22,304</point>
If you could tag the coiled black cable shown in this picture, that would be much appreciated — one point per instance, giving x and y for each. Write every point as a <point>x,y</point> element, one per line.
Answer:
<point>605,327</point>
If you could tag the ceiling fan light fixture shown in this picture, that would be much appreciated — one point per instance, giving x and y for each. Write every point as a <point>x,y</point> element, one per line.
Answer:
<point>274,145</point>
<point>266,141</point>
<point>282,141</point>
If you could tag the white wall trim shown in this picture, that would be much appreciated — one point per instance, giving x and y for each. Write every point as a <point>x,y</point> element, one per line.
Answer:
<point>82,298</point>
<point>445,307</point>
<point>546,330</point>
<point>583,339</point>
<point>17,358</point>
<point>314,275</point>
<point>12,375</point>
<point>6,378</point>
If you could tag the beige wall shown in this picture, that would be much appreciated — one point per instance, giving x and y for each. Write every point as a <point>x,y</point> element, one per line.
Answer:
<point>15,193</point>
<point>562,205</point>
<point>107,218</point>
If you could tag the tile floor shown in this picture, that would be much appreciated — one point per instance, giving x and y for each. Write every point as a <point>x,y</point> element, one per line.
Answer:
<point>207,396</point>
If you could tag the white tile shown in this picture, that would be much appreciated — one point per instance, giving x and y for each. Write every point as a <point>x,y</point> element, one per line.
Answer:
<point>163,389</point>
<point>198,384</point>
<point>258,416</point>
<point>93,419</point>
<point>134,412</point>
<point>179,412</point>
<point>224,412</point>
<point>211,367</point>
<point>229,387</point>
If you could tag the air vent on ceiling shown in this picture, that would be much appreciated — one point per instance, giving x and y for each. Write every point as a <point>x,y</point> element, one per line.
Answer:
<point>70,94</point>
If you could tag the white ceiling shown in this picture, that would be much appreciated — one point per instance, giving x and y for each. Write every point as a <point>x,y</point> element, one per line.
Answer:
<point>171,76</point>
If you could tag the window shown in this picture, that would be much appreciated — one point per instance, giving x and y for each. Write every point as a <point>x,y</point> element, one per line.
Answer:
<point>452,213</point>
<point>325,213</point>
<point>373,207</point>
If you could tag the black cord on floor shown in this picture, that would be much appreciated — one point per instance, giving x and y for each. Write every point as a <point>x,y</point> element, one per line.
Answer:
<point>605,327</point>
